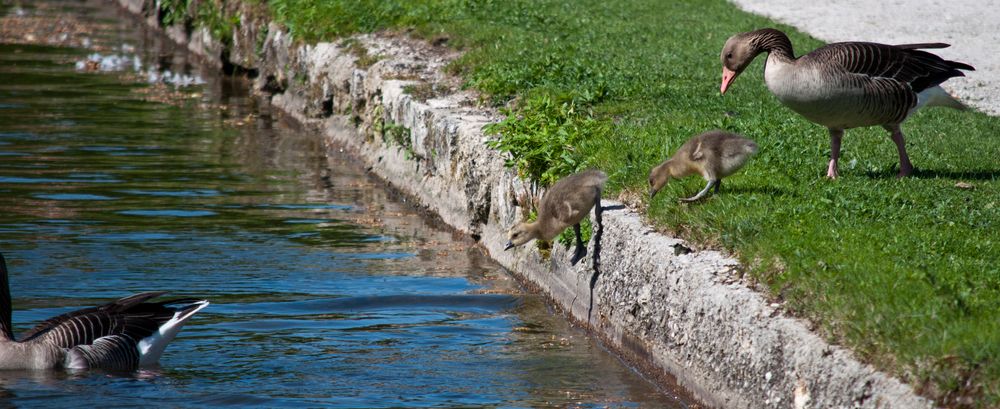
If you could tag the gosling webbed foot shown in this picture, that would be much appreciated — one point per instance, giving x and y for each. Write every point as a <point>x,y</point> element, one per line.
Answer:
<point>700,194</point>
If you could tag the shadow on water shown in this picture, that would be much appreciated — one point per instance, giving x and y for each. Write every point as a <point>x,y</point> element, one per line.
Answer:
<point>326,288</point>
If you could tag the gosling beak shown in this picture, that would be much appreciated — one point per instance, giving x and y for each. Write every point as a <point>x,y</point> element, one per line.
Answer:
<point>508,246</point>
<point>652,193</point>
<point>728,76</point>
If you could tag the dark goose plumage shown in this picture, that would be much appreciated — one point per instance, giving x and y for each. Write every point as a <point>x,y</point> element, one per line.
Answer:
<point>848,85</point>
<point>122,335</point>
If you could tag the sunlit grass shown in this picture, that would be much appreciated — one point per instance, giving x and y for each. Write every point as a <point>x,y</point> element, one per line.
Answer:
<point>903,271</point>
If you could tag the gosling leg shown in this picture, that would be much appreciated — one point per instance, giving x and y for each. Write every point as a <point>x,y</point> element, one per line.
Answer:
<point>581,250</point>
<point>702,193</point>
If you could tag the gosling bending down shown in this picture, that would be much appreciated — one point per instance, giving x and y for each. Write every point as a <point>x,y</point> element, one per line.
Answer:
<point>713,154</point>
<point>565,204</point>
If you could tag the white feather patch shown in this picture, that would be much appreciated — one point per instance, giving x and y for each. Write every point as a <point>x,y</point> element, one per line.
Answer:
<point>151,347</point>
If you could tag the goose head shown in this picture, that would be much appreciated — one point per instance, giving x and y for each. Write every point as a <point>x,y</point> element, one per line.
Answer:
<point>736,55</point>
<point>520,234</point>
<point>659,176</point>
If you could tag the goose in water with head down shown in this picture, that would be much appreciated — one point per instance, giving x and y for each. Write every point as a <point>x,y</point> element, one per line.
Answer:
<point>121,335</point>
<point>847,85</point>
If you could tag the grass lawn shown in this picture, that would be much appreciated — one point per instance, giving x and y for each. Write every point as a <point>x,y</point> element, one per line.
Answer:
<point>902,271</point>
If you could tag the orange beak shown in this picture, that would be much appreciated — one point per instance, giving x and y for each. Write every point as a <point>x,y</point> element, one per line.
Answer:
<point>728,76</point>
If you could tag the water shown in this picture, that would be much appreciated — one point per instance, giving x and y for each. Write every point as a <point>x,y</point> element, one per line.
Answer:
<point>326,289</point>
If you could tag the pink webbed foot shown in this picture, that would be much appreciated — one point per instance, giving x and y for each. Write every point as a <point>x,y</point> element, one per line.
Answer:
<point>831,171</point>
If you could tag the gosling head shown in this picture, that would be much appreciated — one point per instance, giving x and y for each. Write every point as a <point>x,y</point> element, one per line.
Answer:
<point>520,234</point>
<point>736,55</point>
<point>659,176</point>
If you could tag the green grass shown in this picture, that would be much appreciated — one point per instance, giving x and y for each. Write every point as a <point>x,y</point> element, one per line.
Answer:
<point>902,271</point>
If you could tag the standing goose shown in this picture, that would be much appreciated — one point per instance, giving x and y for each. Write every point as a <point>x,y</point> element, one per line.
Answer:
<point>565,204</point>
<point>713,155</point>
<point>847,85</point>
<point>121,335</point>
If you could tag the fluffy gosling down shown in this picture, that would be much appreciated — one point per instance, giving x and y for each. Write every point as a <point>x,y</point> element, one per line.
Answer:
<point>565,204</point>
<point>713,154</point>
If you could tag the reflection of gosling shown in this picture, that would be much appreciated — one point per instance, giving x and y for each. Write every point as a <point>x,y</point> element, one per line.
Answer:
<point>713,154</point>
<point>565,204</point>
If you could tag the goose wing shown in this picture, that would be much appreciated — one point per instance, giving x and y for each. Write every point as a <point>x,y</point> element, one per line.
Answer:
<point>131,317</point>
<point>905,63</point>
<point>116,352</point>
<point>119,335</point>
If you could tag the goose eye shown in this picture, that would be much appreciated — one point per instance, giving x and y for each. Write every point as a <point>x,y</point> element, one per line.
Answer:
<point>729,55</point>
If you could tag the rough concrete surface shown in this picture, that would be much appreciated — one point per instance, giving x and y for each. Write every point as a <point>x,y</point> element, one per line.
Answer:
<point>970,26</point>
<point>673,313</point>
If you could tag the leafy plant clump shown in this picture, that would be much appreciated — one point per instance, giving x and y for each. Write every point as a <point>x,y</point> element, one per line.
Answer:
<point>173,11</point>
<point>212,16</point>
<point>542,135</point>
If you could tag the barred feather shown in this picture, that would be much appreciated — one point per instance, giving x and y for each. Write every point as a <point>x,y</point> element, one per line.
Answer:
<point>119,335</point>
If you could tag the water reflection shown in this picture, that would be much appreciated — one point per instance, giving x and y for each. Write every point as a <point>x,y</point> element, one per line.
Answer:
<point>326,290</point>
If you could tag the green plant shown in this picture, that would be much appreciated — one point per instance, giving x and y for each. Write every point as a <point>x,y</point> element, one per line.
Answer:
<point>212,16</point>
<point>362,58</point>
<point>568,237</point>
<point>173,11</point>
<point>541,137</point>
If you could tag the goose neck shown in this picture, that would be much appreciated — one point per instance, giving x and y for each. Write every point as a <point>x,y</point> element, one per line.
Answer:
<point>775,43</point>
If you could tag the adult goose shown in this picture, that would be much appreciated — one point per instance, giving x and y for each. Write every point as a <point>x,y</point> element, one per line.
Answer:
<point>121,335</point>
<point>847,85</point>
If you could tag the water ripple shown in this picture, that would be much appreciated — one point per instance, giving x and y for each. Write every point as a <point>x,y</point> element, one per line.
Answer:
<point>168,213</point>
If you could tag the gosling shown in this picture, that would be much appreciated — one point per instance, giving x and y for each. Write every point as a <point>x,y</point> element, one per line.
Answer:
<point>713,154</point>
<point>565,204</point>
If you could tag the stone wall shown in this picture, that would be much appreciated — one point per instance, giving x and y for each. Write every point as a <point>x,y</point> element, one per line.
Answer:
<point>678,315</point>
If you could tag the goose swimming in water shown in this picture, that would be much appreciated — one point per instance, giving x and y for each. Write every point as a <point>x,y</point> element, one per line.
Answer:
<point>121,335</point>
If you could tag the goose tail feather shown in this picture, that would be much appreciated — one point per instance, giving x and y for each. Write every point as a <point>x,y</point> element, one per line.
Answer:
<point>918,46</point>
<point>937,96</point>
<point>151,347</point>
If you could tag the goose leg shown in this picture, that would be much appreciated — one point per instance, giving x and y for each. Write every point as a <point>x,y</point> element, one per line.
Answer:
<point>835,136</point>
<point>905,168</point>
<point>718,185</point>
<point>702,193</point>
<point>581,250</point>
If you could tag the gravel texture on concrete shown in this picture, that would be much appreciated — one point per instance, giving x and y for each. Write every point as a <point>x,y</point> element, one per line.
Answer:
<point>971,27</point>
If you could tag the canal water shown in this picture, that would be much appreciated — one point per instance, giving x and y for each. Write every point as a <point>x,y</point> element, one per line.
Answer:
<point>125,168</point>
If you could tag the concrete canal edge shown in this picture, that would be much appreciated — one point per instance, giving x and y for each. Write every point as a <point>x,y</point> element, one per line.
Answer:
<point>677,315</point>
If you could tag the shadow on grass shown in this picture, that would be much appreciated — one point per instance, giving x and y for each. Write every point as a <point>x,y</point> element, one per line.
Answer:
<point>938,174</point>
<point>762,190</point>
